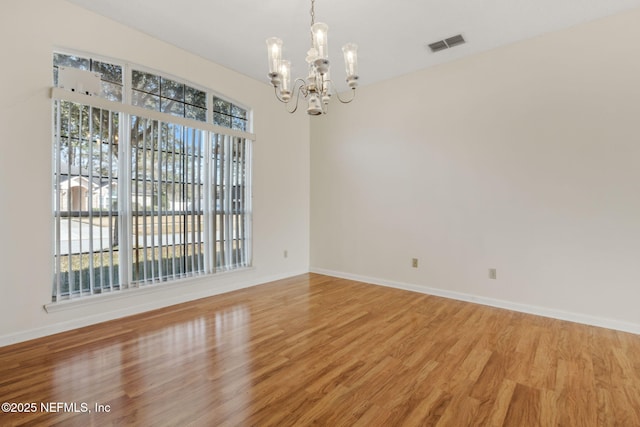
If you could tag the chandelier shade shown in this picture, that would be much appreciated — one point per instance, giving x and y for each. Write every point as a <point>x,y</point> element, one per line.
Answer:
<point>274,47</point>
<point>317,88</point>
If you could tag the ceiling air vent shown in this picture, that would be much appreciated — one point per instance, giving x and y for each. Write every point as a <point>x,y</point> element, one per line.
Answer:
<point>447,43</point>
<point>438,46</point>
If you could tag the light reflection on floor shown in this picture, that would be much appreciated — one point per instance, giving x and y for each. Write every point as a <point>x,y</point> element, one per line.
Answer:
<point>148,367</point>
<point>233,360</point>
<point>74,377</point>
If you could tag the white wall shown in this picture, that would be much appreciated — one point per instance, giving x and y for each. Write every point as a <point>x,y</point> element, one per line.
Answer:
<point>525,159</point>
<point>29,32</point>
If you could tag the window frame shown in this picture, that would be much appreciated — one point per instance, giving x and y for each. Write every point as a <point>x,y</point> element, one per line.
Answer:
<point>125,214</point>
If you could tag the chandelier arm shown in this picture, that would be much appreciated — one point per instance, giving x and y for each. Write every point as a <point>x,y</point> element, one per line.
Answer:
<point>303,86</point>
<point>284,101</point>
<point>343,101</point>
<point>297,96</point>
<point>295,107</point>
<point>353,96</point>
<point>275,90</point>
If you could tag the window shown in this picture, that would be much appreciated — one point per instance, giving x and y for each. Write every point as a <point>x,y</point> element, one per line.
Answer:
<point>143,198</point>
<point>162,94</point>
<point>229,115</point>
<point>86,173</point>
<point>111,73</point>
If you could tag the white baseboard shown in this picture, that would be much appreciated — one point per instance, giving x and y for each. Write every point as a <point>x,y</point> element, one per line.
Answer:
<point>523,308</point>
<point>58,327</point>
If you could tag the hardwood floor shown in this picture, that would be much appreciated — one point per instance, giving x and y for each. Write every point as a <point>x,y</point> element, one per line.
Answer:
<point>319,350</point>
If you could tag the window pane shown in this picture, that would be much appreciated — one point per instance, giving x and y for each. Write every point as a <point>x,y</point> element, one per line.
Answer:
<point>142,99</point>
<point>222,120</point>
<point>112,91</point>
<point>172,89</point>
<point>145,82</point>
<point>195,113</point>
<point>239,124</point>
<point>221,106</point>
<point>172,107</point>
<point>195,97</point>
<point>62,60</point>
<point>110,72</point>
<point>238,112</point>
<point>86,257</point>
<point>167,192</point>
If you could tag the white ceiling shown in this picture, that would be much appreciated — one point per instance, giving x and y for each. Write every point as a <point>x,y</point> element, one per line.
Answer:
<point>391,35</point>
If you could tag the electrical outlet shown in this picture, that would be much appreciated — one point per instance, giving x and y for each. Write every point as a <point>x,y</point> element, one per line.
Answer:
<point>286,253</point>
<point>493,274</point>
<point>414,262</point>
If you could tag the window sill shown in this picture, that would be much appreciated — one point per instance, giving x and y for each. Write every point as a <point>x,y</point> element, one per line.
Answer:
<point>76,302</point>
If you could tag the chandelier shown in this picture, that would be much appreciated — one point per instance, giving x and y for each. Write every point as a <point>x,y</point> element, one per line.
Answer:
<point>317,88</point>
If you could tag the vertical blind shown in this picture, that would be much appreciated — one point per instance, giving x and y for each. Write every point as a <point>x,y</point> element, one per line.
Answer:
<point>142,198</point>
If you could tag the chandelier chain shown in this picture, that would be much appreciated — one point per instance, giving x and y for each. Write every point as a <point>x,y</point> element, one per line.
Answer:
<point>313,18</point>
<point>313,12</point>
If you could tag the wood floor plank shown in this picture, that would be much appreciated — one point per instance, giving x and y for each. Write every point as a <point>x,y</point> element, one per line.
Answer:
<point>314,349</point>
<point>524,408</point>
<point>429,410</point>
<point>501,403</point>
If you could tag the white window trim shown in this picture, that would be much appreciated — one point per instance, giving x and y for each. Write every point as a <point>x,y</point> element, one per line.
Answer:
<point>70,304</point>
